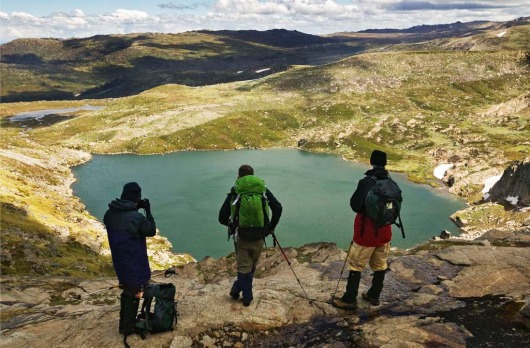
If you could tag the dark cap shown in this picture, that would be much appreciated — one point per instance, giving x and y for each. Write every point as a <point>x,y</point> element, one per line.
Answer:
<point>245,170</point>
<point>378,158</point>
<point>131,192</point>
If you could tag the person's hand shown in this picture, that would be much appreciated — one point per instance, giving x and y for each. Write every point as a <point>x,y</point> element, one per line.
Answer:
<point>147,205</point>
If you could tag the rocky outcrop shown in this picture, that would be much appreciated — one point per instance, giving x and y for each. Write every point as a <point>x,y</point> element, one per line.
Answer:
<point>429,297</point>
<point>514,185</point>
<point>44,225</point>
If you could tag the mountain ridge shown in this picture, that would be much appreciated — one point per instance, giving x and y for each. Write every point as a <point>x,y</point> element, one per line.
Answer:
<point>105,66</point>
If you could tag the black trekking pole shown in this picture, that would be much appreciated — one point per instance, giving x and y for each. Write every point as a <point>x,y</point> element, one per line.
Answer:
<point>342,270</point>
<point>400,225</point>
<point>167,273</point>
<point>289,263</point>
<point>79,296</point>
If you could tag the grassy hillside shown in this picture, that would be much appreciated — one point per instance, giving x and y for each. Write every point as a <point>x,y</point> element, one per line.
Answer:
<point>409,104</point>
<point>106,66</point>
<point>45,230</point>
<point>118,65</point>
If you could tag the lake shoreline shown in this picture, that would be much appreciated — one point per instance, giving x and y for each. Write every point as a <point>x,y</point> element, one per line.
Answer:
<point>287,157</point>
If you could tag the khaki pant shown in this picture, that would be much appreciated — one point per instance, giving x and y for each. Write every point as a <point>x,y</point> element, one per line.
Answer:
<point>360,255</point>
<point>247,254</point>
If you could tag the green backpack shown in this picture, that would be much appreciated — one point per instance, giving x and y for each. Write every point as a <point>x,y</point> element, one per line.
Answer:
<point>250,209</point>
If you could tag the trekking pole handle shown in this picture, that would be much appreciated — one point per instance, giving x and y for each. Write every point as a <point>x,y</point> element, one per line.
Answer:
<point>169,272</point>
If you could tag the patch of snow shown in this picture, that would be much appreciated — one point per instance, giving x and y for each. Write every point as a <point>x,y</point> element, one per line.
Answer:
<point>240,72</point>
<point>489,182</point>
<point>512,199</point>
<point>262,70</point>
<point>439,172</point>
<point>501,34</point>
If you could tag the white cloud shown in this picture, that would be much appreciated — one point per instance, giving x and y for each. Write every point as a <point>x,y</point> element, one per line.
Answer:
<point>70,21</point>
<point>284,7</point>
<point>24,17</point>
<point>249,7</point>
<point>129,15</point>
<point>78,13</point>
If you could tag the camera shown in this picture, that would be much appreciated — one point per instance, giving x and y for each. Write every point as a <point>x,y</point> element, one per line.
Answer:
<point>143,203</point>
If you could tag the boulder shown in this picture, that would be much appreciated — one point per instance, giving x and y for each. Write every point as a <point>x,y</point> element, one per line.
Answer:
<point>514,185</point>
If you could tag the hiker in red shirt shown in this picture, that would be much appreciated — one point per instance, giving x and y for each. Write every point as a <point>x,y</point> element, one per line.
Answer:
<point>371,245</point>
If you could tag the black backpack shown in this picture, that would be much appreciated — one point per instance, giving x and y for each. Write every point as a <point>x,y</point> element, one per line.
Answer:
<point>383,203</point>
<point>164,317</point>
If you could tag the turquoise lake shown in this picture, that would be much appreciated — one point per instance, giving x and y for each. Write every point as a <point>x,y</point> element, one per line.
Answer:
<point>187,189</point>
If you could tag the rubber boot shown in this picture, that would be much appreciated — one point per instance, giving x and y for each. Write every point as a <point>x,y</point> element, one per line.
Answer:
<point>373,294</point>
<point>128,311</point>
<point>235,290</point>
<point>245,283</point>
<point>349,299</point>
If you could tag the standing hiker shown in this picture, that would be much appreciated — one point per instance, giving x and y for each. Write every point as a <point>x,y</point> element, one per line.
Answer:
<point>245,211</point>
<point>371,243</point>
<point>127,230</point>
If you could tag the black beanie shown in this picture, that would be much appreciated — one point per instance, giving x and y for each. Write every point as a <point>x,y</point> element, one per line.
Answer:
<point>131,192</point>
<point>378,158</point>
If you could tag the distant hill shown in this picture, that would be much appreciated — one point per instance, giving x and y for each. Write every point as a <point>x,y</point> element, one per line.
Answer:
<point>454,29</point>
<point>276,37</point>
<point>436,36</point>
<point>105,66</point>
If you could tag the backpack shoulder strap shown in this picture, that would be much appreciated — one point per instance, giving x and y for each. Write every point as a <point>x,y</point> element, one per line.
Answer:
<point>373,177</point>
<point>264,207</point>
<point>146,325</point>
<point>236,203</point>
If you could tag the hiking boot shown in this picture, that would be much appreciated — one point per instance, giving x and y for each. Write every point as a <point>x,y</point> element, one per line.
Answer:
<point>373,301</point>
<point>373,294</point>
<point>234,294</point>
<point>128,310</point>
<point>341,304</point>
<point>235,290</point>
<point>245,284</point>
<point>352,287</point>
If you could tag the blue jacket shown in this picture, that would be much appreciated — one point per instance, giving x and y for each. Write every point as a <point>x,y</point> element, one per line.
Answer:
<point>126,231</point>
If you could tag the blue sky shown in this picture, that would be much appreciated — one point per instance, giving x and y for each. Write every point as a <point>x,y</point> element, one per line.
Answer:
<point>75,18</point>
